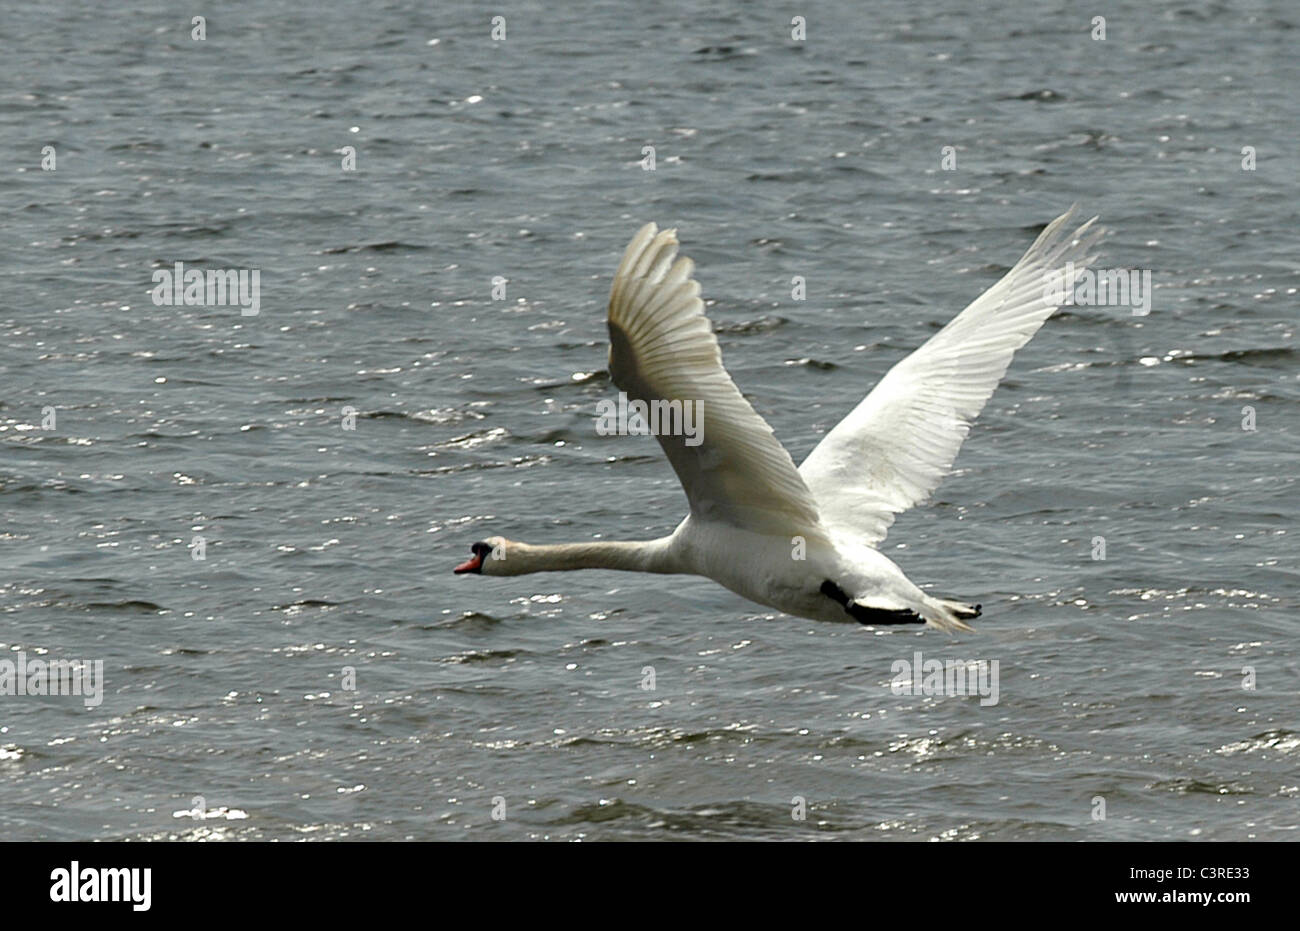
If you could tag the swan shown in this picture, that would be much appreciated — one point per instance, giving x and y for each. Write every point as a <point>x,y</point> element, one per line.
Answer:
<point>803,540</point>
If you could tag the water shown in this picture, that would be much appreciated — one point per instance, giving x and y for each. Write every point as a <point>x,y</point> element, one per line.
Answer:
<point>328,548</point>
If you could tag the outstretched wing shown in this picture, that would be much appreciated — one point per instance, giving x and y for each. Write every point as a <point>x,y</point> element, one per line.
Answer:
<point>896,446</point>
<point>661,348</point>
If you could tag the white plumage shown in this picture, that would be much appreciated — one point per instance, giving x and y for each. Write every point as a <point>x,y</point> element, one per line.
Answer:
<point>895,447</point>
<point>803,540</point>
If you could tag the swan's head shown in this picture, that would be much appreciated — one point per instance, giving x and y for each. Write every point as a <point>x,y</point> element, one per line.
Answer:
<point>486,555</point>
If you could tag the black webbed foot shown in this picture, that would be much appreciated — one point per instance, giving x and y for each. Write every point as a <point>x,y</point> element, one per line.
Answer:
<point>867,615</point>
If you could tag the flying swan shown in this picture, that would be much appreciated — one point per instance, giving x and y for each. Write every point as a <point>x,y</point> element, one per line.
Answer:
<point>803,541</point>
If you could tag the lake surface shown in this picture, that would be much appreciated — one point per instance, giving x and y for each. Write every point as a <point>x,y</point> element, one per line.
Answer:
<point>227,710</point>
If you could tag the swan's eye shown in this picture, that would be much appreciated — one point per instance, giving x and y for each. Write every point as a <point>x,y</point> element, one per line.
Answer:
<point>481,550</point>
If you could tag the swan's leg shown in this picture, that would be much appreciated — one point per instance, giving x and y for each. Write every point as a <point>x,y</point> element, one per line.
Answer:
<point>961,608</point>
<point>835,593</point>
<point>871,616</point>
<point>868,615</point>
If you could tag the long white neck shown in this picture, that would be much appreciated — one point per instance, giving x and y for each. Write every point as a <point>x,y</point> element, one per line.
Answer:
<point>638,556</point>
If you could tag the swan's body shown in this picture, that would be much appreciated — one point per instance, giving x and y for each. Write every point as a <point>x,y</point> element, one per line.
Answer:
<point>803,541</point>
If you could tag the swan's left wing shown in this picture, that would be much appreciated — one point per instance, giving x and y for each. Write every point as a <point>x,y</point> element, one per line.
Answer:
<point>895,447</point>
<point>662,349</point>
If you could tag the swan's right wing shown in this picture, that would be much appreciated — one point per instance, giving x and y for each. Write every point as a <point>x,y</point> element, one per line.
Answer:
<point>895,447</point>
<point>662,349</point>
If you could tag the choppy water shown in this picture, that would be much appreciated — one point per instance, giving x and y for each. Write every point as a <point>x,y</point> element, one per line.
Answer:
<point>329,548</point>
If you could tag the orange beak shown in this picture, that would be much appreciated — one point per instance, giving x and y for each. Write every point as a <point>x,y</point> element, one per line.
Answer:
<point>473,564</point>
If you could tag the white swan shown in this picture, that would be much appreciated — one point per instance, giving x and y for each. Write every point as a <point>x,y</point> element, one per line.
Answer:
<point>803,541</point>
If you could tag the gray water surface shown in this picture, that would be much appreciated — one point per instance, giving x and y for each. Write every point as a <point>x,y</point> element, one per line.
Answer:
<point>1120,679</point>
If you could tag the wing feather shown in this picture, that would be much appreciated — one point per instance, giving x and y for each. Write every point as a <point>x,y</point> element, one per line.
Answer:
<point>896,446</point>
<point>663,349</point>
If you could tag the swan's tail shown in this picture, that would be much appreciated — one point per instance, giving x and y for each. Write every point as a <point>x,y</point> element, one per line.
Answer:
<point>946,614</point>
